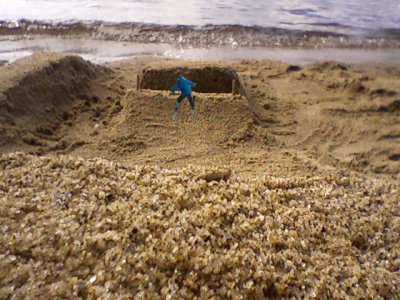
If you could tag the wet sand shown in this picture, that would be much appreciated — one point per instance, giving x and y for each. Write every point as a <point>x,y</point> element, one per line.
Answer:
<point>101,51</point>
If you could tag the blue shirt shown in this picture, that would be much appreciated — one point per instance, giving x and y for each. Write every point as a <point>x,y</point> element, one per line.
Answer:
<point>184,85</point>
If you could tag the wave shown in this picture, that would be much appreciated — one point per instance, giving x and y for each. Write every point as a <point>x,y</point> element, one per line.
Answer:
<point>207,35</point>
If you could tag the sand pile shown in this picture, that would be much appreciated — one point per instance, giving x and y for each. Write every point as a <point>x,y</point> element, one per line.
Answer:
<point>94,228</point>
<point>143,131</point>
<point>39,95</point>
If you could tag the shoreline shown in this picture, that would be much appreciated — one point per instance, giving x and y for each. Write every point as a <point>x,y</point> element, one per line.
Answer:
<point>203,36</point>
<point>105,51</point>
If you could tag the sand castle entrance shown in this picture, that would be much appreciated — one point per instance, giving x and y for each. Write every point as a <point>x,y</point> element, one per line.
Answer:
<point>209,79</point>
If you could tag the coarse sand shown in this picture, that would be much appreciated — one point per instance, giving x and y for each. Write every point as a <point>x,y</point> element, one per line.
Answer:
<point>98,229</point>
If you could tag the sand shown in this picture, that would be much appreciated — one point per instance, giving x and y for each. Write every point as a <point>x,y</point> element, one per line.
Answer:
<point>333,115</point>
<point>330,129</point>
<point>95,228</point>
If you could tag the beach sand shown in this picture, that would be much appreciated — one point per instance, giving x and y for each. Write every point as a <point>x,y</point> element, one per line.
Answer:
<point>336,115</point>
<point>307,158</point>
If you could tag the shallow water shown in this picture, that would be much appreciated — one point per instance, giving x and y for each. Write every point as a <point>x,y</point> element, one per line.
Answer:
<point>341,16</point>
<point>99,51</point>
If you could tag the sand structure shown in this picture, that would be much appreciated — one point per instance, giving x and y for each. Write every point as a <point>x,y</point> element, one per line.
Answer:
<point>286,188</point>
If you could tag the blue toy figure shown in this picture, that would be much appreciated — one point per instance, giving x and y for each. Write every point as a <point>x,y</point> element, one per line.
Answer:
<point>185,86</point>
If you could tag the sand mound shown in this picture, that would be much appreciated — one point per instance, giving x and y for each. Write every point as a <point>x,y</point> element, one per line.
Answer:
<point>38,95</point>
<point>93,228</point>
<point>143,129</point>
<point>327,66</point>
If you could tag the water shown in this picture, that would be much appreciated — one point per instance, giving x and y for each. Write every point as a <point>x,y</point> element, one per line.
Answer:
<point>341,16</point>
<point>365,20</point>
<point>99,51</point>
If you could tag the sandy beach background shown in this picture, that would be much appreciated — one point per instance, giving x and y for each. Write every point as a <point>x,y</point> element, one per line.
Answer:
<point>286,186</point>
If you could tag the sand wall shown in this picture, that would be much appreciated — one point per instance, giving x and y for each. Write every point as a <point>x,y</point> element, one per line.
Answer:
<point>209,79</point>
